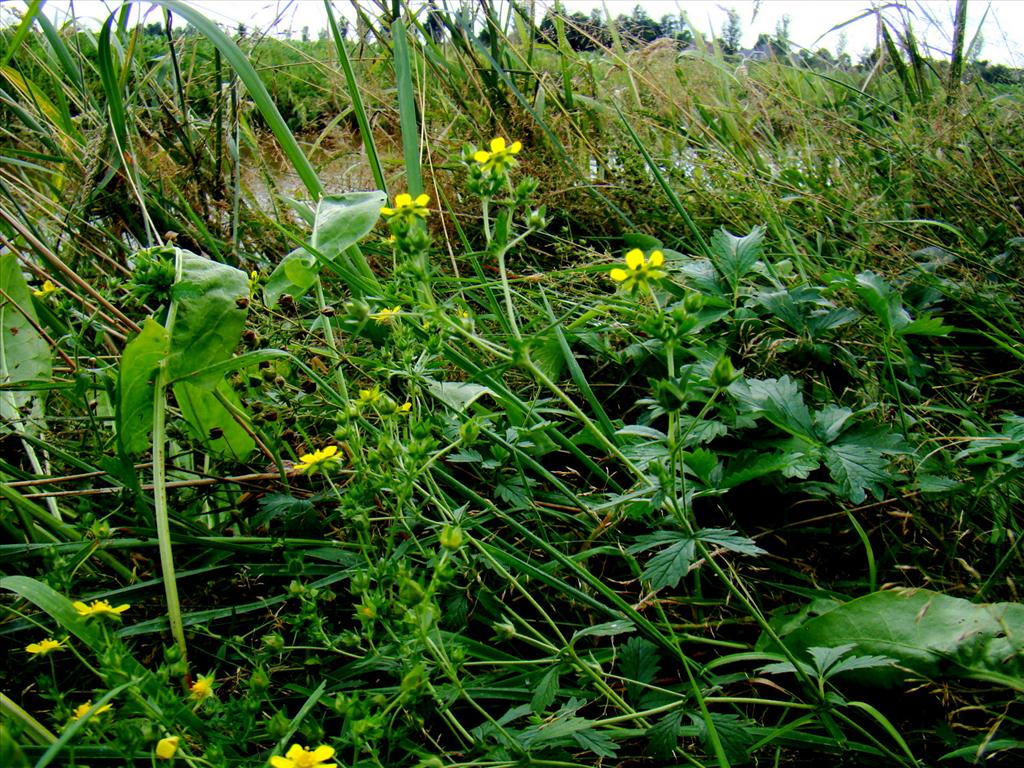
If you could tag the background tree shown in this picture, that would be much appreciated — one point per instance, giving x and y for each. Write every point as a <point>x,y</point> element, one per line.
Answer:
<point>732,32</point>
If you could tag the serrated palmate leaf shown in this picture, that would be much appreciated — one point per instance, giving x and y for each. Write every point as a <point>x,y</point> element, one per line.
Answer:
<point>598,742</point>
<point>883,301</point>
<point>638,663</point>
<point>667,567</point>
<point>734,257</point>
<point>702,463</point>
<point>778,400</point>
<point>858,461</point>
<point>275,505</point>
<point>663,736</point>
<point>607,629</point>
<point>750,465</point>
<point>926,325</point>
<point>735,734</point>
<point>546,690</point>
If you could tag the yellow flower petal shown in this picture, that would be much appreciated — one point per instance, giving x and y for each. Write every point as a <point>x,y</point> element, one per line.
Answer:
<point>481,156</point>
<point>516,146</point>
<point>403,200</point>
<point>44,647</point>
<point>165,748</point>
<point>657,258</point>
<point>322,753</point>
<point>635,259</point>
<point>422,200</point>
<point>281,762</point>
<point>385,211</point>
<point>497,144</point>
<point>619,274</point>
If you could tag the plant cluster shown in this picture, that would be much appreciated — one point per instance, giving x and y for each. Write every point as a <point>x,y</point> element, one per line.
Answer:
<point>516,462</point>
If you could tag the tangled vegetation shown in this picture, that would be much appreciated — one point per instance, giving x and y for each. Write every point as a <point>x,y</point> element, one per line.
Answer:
<point>462,398</point>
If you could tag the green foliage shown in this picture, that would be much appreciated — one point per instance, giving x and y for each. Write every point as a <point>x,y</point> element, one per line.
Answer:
<point>456,496</point>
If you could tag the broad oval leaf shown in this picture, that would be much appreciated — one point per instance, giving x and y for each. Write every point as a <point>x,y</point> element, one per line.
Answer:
<point>208,313</point>
<point>930,633</point>
<point>24,353</point>
<point>136,386</point>
<point>343,220</point>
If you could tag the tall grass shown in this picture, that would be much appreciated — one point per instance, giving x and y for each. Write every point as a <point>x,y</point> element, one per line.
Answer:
<point>496,504</point>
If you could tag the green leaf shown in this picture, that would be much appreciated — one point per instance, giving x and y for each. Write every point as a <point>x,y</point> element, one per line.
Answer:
<point>638,663</point>
<point>830,421</point>
<point>667,568</point>
<point>858,461</point>
<point>735,257</point>
<point>24,353</point>
<point>457,395</point>
<point>596,741</point>
<point>883,301</point>
<point>208,311</point>
<point>934,635</point>
<point>778,400</point>
<point>663,736</point>
<point>295,275</point>
<point>211,423</point>
<point>341,221</point>
<point>927,325</point>
<point>703,464</point>
<point>734,732</point>
<point>547,689</point>
<point>136,386</point>
<point>344,220</point>
<point>607,629</point>
<point>640,240</point>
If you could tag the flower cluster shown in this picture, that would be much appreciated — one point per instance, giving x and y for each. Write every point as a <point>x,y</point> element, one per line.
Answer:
<point>640,271</point>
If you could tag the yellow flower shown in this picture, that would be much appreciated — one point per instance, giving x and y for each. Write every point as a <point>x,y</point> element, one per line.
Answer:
<point>387,315</point>
<point>46,290</point>
<point>203,687</point>
<point>499,158</point>
<point>405,407</point>
<point>639,270</point>
<point>311,463</point>
<point>166,747</point>
<point>302,757</point>
<point>99,608</point>
<point>46,646</point>
<point>81,709</point>
<point>406,207</point>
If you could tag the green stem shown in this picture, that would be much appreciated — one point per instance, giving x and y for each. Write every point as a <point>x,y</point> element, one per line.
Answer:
<point>163,526</point>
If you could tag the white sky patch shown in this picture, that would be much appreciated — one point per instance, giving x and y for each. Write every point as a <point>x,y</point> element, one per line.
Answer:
<point>1000,22</point>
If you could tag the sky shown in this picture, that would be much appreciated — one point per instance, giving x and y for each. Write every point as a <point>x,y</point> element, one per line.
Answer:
<point>1001,22</point>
